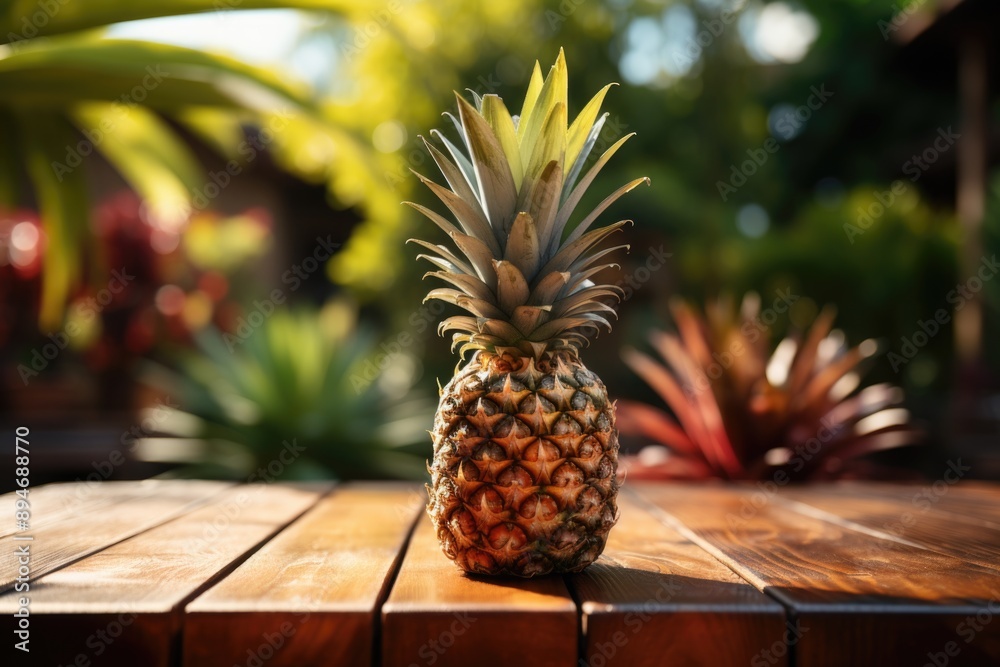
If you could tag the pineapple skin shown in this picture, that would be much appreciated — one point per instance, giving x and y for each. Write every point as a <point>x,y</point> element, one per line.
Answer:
<point>524,469</point>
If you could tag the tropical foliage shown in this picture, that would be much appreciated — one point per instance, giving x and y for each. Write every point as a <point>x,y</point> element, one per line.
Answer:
<point>740,409</point>
<point>298,380</point>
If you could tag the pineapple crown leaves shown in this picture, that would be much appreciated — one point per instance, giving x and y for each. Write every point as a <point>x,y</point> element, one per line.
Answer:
<point>512,188</point>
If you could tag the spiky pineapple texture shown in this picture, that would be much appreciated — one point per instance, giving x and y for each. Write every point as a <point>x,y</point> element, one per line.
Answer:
<point>740,409</point>
<point>525,447</point>
<point>523,279</point>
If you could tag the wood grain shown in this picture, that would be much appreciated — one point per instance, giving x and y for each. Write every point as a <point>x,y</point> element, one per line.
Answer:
<point>121,606</point>
<point>436,615</point>
<point>309,597</point>
<point>965,501</point>
<point>915,520</point>
<point>656,598</point>
<point>172,573</point>
<point>858,597</point>
<point>61,541</point>
<point>54,502</point>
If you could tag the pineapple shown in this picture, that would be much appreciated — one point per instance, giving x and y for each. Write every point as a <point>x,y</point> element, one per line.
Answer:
<point>525,446</point>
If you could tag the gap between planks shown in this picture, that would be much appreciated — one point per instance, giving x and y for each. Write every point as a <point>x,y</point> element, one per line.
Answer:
<point>896,601</point>
<point>66,541</point>
<point>140,584</point>
<point>318,586</point>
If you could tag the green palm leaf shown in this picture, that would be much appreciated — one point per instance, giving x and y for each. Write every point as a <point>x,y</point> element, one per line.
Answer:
<point>17,16</point>
<point>80,68</point>
<point>109,89</point>
<point>62,200</point>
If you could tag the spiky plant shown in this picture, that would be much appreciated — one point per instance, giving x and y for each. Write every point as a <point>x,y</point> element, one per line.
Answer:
<point>740,410</point>
<point>525,447</point>
<point>301,378</point>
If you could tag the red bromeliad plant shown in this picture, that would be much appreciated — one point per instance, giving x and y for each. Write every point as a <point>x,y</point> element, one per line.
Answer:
<point>740,410</point>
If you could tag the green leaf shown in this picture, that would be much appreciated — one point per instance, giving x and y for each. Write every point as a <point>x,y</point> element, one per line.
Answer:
<point>528,318</point>
<point>62,199</point>
<point>471,285</point>
<point>460,158</point>
<point>608,201</point>
<point>512,289</point>
<point>71,16</point>
<point>477,307</point>
<point>580,129</point>
<point>221,129</point>
<point>549,289</point>
<point>571,202</point>
<point>522,246</point>
<point>581,159</point>
<point>469,218</point>
<point>10,161</point>
<point>569,253</point>
<point>530,99</point>
<point>479,256</point>
<point>443,253</point>
<point>147,154</point>
<point>543,206</point>
<point>551,142</point>
<point>65,70</point>
<point>496,184</point>
<point>469,215</point>
<point>554,91</point>
<point>499,119</point>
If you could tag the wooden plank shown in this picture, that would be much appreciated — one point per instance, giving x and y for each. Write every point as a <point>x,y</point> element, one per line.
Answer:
<point>655,598</point>
<point>964,499</point>
<point>981,488</point>
<point>121,606</point>
<point>62,541</point>
<point>438,615</point>
<point>311,595</point>
<point>861,598</point>
<point>54,502</point>
<point>914,519</point>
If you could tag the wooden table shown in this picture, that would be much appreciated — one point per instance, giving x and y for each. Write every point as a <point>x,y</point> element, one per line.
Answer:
<point>208,574</point>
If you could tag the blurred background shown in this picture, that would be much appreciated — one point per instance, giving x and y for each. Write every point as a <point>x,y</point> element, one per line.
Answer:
<point>202,259</point>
